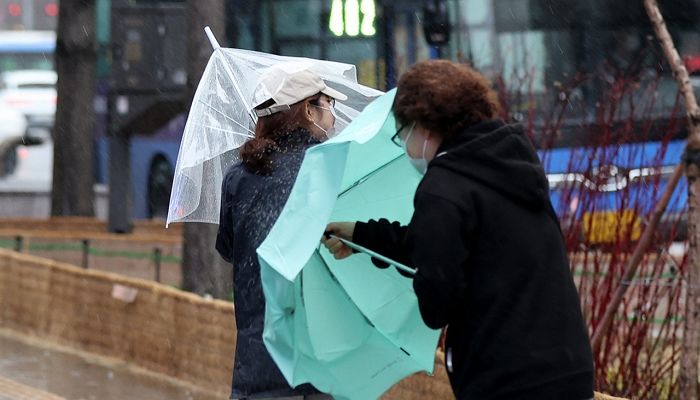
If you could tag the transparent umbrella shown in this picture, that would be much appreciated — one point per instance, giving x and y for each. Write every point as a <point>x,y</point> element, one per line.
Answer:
<point>220,121</point>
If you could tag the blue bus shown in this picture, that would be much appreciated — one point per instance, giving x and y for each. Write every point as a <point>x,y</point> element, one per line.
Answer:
<point>153,159</point>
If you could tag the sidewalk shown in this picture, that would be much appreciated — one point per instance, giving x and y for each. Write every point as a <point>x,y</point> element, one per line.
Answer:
<point>36,373</point>
<point>11,390</point>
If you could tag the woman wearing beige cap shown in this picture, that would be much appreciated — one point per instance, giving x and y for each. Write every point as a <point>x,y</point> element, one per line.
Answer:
<point>295,111</point>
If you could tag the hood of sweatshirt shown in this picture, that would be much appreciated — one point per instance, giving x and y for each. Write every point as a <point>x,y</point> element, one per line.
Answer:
<point>499,156</point>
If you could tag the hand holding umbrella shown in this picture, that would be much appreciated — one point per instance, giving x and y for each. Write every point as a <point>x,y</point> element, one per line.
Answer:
<point>332,239</point>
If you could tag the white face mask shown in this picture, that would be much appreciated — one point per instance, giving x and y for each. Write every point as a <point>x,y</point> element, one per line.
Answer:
<point>420,164</point>
<point>331,132</point>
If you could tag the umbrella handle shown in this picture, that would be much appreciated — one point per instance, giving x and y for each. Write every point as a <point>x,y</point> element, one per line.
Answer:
<point>376,255</point>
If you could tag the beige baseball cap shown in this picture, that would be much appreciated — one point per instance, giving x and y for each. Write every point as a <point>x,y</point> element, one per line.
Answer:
<point>288,83</point>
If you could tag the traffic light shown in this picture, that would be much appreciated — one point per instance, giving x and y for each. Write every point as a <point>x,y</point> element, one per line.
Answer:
<point>16,15</point>
<point>12,15</point>
<point>46,14</point>
<point>436,22</point>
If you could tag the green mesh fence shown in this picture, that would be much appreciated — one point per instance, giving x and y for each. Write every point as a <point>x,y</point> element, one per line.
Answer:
<point>95,251</point>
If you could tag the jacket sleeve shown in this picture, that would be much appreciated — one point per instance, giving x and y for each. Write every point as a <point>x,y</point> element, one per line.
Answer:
<point>437,241</point>
<point>384,237</point>
<point>224,237</point>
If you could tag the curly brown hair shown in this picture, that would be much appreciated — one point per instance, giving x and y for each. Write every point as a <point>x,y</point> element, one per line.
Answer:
<point>444,97</point>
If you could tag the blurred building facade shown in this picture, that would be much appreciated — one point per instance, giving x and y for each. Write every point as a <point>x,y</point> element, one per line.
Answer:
<point>533,48</point>
<point>538,43</point>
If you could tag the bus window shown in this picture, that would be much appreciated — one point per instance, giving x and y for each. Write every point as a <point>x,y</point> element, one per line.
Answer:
<point>524,60</point>
<point>27,50</point>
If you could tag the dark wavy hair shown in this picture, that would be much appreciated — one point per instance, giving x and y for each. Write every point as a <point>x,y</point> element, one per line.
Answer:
<point>444,97</point>
<point>256,153</point>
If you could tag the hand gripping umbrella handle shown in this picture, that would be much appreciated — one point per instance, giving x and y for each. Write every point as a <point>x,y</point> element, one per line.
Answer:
<point>376,255</point>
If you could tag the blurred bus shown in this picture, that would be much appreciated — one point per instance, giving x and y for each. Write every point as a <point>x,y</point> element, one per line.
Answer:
<point>33,50</point>
<point>27,55</point>
<point>592,87</point>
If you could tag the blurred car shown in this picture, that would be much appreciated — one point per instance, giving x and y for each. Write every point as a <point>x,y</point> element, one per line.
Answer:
<point>13,127</point>
<point>13,124</point>
<point>32,93</point>
<point>33,169</point>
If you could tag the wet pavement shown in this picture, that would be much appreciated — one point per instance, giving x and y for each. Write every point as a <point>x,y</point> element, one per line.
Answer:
<point>30,371</point>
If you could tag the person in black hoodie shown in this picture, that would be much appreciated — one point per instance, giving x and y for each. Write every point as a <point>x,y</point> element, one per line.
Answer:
<point>295,111</point>
<point>490,257</point>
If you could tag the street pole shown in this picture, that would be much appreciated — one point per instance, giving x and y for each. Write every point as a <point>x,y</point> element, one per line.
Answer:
<point>120,196</point>
<point>386,46</point>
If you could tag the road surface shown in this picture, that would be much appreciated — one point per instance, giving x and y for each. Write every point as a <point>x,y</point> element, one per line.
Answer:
<point>32,372</point>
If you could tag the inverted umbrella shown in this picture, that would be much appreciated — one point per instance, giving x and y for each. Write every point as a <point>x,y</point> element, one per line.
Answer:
<point>347,327</point>
<point>220,121</point>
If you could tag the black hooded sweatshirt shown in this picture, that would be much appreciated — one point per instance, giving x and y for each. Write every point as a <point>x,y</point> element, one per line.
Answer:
<point>492,266</point>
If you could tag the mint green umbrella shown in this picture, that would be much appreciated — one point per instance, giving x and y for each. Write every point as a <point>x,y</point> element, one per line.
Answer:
<point>347,327</point>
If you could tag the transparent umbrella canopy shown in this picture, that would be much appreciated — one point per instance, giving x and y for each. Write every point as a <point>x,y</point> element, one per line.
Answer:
<point>220,121</point>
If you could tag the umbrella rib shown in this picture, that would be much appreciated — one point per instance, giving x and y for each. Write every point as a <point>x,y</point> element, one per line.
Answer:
<point>364,178</point>
<point>225,131</point>
<point>389,338</point>
<point>224,115</point>
<point>231,76</point>
<point>318,249</point>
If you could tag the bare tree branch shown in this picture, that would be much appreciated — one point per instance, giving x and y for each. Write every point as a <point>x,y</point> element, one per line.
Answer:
<point>688,385</point>
<point>679,72</point>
